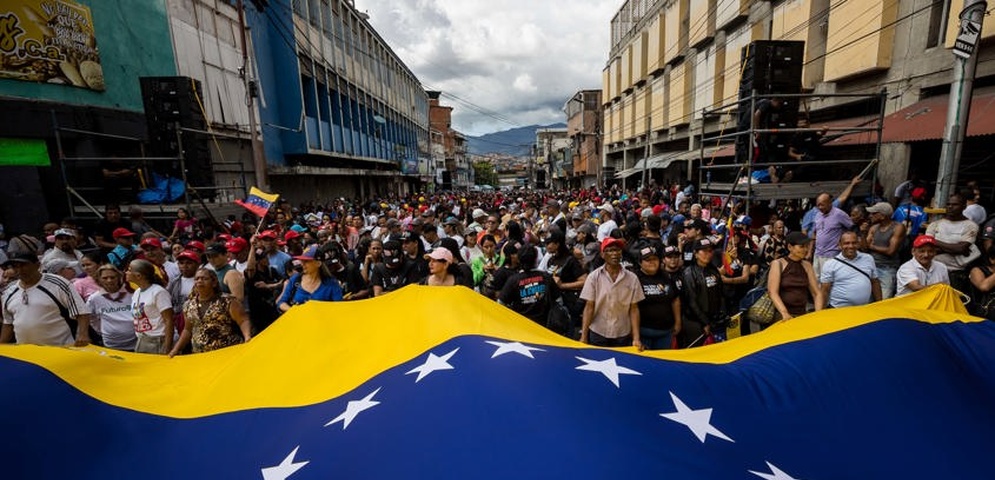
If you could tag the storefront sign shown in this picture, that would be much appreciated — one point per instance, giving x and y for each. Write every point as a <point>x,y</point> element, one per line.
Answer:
<point>51,41</point>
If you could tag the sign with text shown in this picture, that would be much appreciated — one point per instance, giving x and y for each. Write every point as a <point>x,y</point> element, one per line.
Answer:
<point>967,38</point>
<point>50,41</point>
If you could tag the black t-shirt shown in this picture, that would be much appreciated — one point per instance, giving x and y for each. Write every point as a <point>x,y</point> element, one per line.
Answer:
<point>350,278</point>
<point>391,279</point>
<point>656,311</point>
<point>530,294</point>
<point>500,278</point>
<point>105,229</point>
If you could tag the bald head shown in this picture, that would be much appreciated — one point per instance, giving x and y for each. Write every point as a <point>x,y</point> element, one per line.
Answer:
<point>824,202</point>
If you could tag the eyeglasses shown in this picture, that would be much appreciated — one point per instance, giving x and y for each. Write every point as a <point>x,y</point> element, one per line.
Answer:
<point>24,297</point>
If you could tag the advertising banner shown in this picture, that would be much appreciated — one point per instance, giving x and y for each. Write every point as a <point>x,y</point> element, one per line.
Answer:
<point>50,41</point>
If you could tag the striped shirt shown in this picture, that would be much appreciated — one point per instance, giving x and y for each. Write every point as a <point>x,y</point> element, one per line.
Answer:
<point>35,315</point>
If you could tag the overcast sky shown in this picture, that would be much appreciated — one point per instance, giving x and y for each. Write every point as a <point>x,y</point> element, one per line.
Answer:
<point>518,60</point>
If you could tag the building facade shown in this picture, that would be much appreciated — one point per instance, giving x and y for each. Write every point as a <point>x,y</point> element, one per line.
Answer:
<point>71,99</point>
<point>553,158</point>
<point>584,130</point>
<point>672,60</point>
<point>454,172</point>
<point>341,114</point>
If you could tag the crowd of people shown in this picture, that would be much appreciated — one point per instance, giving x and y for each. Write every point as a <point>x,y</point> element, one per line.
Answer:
<point>657,268</point>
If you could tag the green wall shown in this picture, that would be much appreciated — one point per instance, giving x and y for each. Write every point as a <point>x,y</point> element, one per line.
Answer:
<point>134,41</point>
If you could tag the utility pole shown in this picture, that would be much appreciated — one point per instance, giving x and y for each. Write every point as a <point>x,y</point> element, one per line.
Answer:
<point>258,159</point>
<point>961,91</point>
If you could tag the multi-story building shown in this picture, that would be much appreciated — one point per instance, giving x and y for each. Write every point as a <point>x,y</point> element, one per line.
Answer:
<point>584,129</point>
<point>553,158</point>
<point>671,60</point>
<point>456,172</point>
<point>341,114</point>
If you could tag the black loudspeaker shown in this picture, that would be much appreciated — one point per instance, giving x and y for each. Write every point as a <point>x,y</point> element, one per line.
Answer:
<point>447,180</point>
<point>540,179</point>
<point>770,67</point>
<point>171,104</point>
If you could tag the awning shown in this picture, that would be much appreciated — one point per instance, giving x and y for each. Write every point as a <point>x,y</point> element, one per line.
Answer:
<point>659,161</point>
<point>926,119</point>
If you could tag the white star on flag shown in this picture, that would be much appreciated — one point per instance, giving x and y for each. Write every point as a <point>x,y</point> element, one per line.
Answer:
<point>775,473</point>
<point>432,364</point>
<point>513,347</point>
<point>696,420</point>
<point>285,469</point>
<point>608,368</point>
<point>354,408</point>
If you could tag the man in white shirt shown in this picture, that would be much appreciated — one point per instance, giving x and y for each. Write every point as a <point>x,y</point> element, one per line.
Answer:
<point>42,308</point>
<point>607,214</point>
<point>850,278</point>
<point>921,271</point>
<point>65,249</point>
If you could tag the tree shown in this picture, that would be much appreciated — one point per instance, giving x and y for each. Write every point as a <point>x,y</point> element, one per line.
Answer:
<point>485,174</point>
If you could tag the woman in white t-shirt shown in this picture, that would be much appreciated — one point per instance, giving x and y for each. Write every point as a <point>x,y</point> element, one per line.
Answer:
<point>111,308</point>
<point>151,309</point>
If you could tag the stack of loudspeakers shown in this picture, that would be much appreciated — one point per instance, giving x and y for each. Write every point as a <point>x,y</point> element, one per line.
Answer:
<point>770,67</point>
<point>171,104</point>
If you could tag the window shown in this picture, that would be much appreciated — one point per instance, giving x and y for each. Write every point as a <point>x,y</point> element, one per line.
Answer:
<point>939,13</point>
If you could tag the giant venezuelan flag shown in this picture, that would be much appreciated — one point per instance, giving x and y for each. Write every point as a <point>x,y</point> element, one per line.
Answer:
<point>433,383</point>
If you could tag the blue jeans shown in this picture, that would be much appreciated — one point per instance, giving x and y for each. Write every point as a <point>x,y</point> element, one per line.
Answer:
<point>887,276</point>
<point>654,339</point>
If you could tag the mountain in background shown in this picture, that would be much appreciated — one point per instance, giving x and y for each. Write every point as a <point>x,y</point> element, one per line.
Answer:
<point>516,142</point>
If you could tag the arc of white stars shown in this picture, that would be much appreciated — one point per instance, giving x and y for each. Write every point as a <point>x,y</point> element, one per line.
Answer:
<point>608,368</point>
<point>513,347</point>
<point>698,421</point>
<point>354,408</point>
<point>286,468</point>
<point>775,473</point>
<point>433,363</point>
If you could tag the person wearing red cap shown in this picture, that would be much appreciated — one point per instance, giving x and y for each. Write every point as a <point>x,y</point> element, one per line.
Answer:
<point>921,271</point>
<point>612,293</point>
<point>293,243</point>
<point>277,258</point>
<point>153,251</point>
<point>238,248</point>
<point>125,250</point>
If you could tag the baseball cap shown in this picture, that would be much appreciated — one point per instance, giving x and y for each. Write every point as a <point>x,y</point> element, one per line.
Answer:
<point>440,253</point>
<point>648,251</point>
<point>188,255</point>
<point>919,193</point>
<point>122,232</point>
<point>703,243</point>
<point>884,208</point>
<point>743,220</point>
<point>196,245</point>
<point>236,245</point>
<point>151,242</point>
<point>291,234</point>
<point>65,232</point>
<point>21,257</point>
<point>699,225</point>
<point>311,253</point>
<point>608,208</point>
<point>671,250</point>
<point>657,210</point>
<point>452,221</point>
<point>270,234</point>
<point>393,223</point>
<point>646,213</point>
<point>923,240</point>
<point>58,264</point>
<point>797,238</point>
<point>216,249</point>
<point>478,212</point>
<point>612,242</point>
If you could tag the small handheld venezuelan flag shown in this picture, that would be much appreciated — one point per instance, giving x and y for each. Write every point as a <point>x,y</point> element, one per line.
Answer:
<point>259,202</point>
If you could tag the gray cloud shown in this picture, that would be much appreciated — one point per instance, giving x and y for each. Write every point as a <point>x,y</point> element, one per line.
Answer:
<point>515,59</point>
